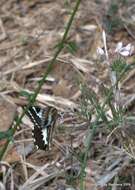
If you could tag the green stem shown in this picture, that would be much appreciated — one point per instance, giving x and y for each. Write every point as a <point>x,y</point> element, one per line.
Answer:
<point>49,68</point>
<point>87,150</point>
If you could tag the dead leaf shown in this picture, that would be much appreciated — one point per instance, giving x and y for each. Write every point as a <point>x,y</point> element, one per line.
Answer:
<point>7,113</point>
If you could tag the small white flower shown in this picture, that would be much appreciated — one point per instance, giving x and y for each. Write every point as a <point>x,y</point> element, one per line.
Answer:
<point>100,51</point>
<point>119,46</point>
<point>124,50</point>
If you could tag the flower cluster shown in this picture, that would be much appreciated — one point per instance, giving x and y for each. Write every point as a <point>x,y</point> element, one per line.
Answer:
<point>124,51</point>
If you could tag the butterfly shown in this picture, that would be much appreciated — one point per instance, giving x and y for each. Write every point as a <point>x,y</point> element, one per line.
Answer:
<point>44,120</point>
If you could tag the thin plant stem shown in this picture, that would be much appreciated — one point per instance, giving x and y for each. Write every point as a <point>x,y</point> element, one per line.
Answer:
<point>95,125</point>
<point>88,147</point>
<point>48,70</point>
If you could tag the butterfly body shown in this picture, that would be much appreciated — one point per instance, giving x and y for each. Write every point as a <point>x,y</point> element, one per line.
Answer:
<point>44,121</point>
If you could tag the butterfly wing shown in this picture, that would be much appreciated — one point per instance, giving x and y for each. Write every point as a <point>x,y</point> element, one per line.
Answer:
<point>44,121</point>
<point>49,123</point>
<point>35,115</point>
<point>40,138</point>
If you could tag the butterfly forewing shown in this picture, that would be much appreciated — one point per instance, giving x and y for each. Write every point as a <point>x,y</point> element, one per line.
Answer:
<point>35,115</point>
<point>43,121</point>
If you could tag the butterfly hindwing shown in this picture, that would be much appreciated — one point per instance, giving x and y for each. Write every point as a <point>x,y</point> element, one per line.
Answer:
<point>43,121</point>
<point>39,138</point>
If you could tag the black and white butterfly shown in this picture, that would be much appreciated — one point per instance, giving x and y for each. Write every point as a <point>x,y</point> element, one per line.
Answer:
<point>44,120</point>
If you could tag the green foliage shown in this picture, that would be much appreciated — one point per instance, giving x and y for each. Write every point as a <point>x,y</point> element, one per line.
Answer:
<point>85,104</point>
<point>71,47</point>
<point>25,94</point>
<point>59,45</point>
<point>90,104</point>
<point>112,21</point>
<point>24,40</point>
<point>120,67</point>
<point>67,4</point>
<point>126,180</point>
<point>61,128</point>
<point>6,134</point>
<point>124,2</point>
<point>113,9</point>
<point>114,24</point>
<point>116,112</point>
<point>71,177</point>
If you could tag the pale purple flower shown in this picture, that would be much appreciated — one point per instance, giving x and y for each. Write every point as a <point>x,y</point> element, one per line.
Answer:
<point>100,51</point>
<point>124,50</point>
